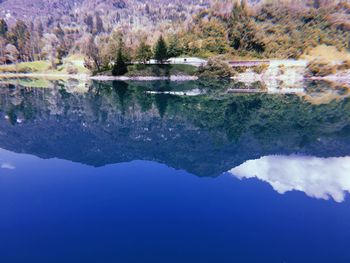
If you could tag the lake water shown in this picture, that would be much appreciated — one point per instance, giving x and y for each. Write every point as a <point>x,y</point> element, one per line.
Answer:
<point>138,172</point>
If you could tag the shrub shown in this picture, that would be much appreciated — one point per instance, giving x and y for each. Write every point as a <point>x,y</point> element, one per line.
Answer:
<point>261,68</point>
<point>71,70</point>
<point>319,68</point>
<point>24,70</point>
<point>345,65</point>
<point>215,69</point>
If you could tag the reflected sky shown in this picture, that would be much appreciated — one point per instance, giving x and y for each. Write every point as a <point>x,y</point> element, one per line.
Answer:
<point>321,178</point>
<point>119,175</point>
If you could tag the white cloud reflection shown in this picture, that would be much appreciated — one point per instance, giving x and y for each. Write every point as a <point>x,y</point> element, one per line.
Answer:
<point>317,177</point>
<point>7,166</point>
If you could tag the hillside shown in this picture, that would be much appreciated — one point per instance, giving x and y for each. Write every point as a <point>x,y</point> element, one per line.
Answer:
<point>135,13</point>
<point>54,29</point>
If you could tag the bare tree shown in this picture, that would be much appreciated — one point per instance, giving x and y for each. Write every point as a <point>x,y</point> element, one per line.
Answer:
<point>51,45</point>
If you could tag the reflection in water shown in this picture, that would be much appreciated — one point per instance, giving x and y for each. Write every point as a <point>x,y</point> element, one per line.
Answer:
<point>7,166</point>
<point>114,122</point>
<point>317,177</point>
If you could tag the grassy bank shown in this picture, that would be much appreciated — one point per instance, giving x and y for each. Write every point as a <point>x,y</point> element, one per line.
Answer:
<point>71,65</point>
<point>142,70</point>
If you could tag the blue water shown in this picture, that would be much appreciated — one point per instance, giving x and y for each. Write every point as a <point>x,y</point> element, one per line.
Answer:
<point>113,202</point>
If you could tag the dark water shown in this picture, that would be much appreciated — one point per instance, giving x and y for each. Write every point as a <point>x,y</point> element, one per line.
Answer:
<point>113,173</point>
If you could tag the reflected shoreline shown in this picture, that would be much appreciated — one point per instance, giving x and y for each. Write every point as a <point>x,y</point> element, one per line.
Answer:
<point>205,135</point>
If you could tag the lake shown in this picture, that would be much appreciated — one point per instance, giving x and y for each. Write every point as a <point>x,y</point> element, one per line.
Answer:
<point>173,172</point>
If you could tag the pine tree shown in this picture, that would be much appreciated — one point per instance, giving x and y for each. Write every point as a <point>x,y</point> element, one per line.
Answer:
<point>119,67</point>
<point>89,21</point>
<point>3,28</point>
<point>144,52</point>
<point>99,24</point>
<point>161,50</point>
<point>174,49</point>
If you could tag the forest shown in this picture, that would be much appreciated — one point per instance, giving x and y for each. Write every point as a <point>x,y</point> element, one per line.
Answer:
<point>225,29</point>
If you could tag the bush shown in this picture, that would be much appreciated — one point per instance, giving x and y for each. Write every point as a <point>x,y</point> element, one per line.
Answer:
<point>215,69</point>
<point>261,68</point>
<point>24,70</point>
<point>71,70</point>
<point>319,68</point>
<point>345,65</point>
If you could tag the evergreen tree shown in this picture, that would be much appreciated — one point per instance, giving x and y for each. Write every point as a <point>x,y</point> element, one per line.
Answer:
<point>99,24</point>
<point>59,32</point>
<point>244,33</point>
<point>3,28</point>
<point>119,67</point>
<point>161,50</point>
<point>144,52</point>
<point>174,49</point>
<point>40,29</point>
<point>89,21</point>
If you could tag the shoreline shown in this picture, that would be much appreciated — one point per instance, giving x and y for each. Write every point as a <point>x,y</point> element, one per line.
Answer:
<point>240,77</point>
<point>99,78</point>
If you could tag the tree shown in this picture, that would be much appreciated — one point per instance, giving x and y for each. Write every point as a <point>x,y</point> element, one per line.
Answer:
<point>244,33</point>
<point>144,52</point>
<point>51,45</point>
<point>89,21</point>
<point>161,50</point>
<point>3,28</point>
<point>39,28</point>
<point>19,36</point>
<point>174,49</point>
<point>119,67</point>
<point>99,24</point>
<point>59,32</point>
<point>11,54</point>
<point>93,59</point>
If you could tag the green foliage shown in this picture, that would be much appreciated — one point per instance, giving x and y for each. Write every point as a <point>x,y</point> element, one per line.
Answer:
<point>269,30</point>
<point>161,50</point>
<point>319,68</point>
<point>3,28</point>
<point>160,70</point>
<point>215,69</point>
<point>242,30</point>
<point>144,52</point>
<point>261,68</point>
<point>19,36</point>
<point>119,67</point>
<point>174,49</point>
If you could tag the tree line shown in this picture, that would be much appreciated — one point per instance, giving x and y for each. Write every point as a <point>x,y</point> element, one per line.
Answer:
<point>144,52</point>
<point>286,29</point>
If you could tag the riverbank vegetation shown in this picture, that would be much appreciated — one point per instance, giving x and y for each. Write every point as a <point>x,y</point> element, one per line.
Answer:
<point>221,30</point>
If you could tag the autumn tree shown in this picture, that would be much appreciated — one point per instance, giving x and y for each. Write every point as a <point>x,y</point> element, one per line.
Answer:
<point>93,59</point>
<point>161,50</point>
<point>12,54</point>
<point>244,33</point>
<point>50,48</point>
<point>19,36</point>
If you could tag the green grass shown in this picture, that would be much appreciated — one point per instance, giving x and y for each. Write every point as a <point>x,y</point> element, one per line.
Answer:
<point>160,70</point>
<point>27,82</point>
<point>44,66</point>
<point>26,67</point>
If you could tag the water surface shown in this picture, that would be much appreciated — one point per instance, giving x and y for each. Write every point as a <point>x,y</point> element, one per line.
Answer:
<point>121,172</point>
